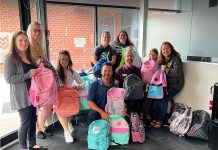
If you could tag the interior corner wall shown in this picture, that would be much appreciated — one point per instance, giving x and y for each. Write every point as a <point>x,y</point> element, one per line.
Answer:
<point>199,77</point>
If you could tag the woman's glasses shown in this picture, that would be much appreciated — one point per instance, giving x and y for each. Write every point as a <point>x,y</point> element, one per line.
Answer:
<point>36,30</point>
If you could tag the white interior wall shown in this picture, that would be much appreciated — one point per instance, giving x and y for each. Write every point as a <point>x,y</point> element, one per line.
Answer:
<point>199,77</point>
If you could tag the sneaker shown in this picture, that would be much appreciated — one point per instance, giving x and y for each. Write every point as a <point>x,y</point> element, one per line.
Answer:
<point>40,135</point>
<point>68,137</point>
<point>70,127</point>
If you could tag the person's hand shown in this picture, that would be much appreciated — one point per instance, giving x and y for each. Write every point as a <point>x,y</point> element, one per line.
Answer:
<point>33,72</point>
<point>124,112</point>
<point>163,67</point>
<point>104,115</point>
<point>40,60</point>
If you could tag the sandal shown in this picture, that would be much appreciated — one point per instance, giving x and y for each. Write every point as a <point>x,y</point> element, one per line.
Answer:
<point>157,125</point>
<point>153,122</point>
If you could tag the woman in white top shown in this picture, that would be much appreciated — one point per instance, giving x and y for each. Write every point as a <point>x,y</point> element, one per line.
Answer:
<point>67,77</point>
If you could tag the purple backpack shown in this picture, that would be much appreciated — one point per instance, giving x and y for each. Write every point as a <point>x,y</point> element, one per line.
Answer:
<point>137,128</point>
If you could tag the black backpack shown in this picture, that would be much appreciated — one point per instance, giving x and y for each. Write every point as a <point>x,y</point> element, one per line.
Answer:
<point>199,125</point>
<point>134,87</point>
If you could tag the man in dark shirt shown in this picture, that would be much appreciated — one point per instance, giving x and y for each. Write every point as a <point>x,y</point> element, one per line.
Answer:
<point>126,69</point>
<point>97,95</point>
<point>122,72</point>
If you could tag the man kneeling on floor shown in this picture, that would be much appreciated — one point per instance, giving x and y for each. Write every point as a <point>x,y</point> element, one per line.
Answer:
<point>97,95</point>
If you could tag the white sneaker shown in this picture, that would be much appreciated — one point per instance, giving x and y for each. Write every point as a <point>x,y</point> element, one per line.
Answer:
<point>70,127</point>
<point>68,137</point>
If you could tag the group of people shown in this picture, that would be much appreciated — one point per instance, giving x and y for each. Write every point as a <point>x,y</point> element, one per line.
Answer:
<point>26,53</point>
<point>20,64</point>
<point>114,73</point>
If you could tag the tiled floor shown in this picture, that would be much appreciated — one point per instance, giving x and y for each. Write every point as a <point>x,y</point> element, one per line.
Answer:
<point>159,139</point>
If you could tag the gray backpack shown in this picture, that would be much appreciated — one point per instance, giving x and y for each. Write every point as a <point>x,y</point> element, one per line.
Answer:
<point>180,125</point>
<point>134,87</point>
<point>199,126</point>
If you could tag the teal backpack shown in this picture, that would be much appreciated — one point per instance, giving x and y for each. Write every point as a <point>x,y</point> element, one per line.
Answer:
<point>119,130</point>
<point>98,135</point>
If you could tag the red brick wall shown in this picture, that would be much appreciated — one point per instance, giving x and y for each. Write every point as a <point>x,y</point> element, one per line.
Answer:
<point>65,23</point>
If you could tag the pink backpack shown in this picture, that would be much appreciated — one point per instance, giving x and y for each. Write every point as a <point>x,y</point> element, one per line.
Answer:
<point>159,78</point>
<point>115,100</point>
<point>147,71</point>
<point>68,102</point>
<point>43,89</point>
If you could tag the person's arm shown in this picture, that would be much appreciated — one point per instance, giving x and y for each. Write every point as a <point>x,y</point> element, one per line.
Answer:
<point>10,73</point>
<point>95,55</point>
<point>93,106</point>
<point>117,77</point>
<point>113,60</point>
<point>78,79</point>
<point>176,69</point>
<point>90,101</point>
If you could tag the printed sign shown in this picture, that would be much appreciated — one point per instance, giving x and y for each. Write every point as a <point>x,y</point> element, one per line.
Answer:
<point>5,38</point>
<point>79,42</point>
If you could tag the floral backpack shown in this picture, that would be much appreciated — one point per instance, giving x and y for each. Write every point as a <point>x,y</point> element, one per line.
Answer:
<point>115,100</point>
<point>137,128</point>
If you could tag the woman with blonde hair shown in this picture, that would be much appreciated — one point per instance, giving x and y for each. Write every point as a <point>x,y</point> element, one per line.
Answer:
<point>34,33</point>
<point>104,50</point>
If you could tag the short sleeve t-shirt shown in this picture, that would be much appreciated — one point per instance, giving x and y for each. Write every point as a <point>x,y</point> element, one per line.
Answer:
<point>106,53</point>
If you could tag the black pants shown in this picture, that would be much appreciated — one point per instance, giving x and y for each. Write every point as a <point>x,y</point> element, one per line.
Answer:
<point>134,106</point>
<point>27,127</point>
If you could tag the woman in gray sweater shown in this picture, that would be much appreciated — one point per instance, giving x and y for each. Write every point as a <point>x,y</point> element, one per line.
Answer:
<point>170,62</point>
<point>19,67</point>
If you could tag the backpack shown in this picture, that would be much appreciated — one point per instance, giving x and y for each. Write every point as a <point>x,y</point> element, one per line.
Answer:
<point>115,100</point>
<point>97,68</point>
<point>82,94</point>
<point>68,102</point>
<point>119,130</point>
<point>147,71</point>
<point>181,124</point>
<point>43,89</point>
<point>199,126</point>
<point>157,85</point>
<point>134,87</point>
<point>137,128</point>
<point>98,135</point>
<point>177,109</point>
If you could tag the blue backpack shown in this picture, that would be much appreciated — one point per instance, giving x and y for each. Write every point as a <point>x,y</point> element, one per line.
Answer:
<point>98,135</point>
<point>97,68</point>
<point>119,130</point>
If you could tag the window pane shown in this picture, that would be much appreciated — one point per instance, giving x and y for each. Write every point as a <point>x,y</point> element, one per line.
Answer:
<point>9,120</point>
<point>116,19</point>
<point>71,28</point>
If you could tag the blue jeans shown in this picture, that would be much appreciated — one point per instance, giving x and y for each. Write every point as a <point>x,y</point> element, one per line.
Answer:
<point>160,106</point>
